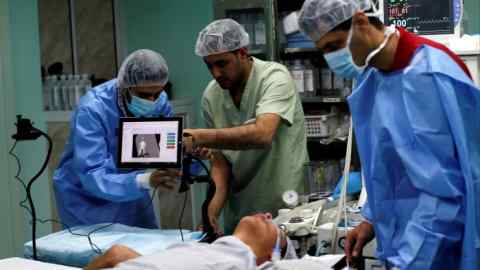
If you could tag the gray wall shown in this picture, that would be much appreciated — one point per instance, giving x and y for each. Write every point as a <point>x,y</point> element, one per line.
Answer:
<point>471,17</point>
<point>171,28</point>
<point>94,34</point>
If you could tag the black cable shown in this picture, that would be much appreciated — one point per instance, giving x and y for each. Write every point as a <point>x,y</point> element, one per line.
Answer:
<point>208,228</point>
<point>89,235</point>
<point>26,208</point>
<point>22,204</point>
<point>203,166</point>
<point>19,167</point>
<point>29,193</point>
<point>17,177</point>
<point>94,247</point>
<point>25,131</point>
<point>210,234</point>
<point>181,216</point>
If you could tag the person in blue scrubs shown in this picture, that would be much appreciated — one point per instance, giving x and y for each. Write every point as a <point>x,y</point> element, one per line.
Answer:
<point>415,113</point>
<point>89,188</point>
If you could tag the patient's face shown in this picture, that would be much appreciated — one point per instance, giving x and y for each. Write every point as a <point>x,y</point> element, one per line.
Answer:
<point>261,230</point>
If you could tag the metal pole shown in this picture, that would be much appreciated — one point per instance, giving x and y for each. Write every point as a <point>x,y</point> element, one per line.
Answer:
<point>73,35</point>
<point>271,27</point>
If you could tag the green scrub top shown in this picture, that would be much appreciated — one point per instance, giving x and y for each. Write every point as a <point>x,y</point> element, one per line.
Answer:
<point>260,176</point>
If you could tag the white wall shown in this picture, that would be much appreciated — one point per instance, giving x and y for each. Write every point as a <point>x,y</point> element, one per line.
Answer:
<point>20,93</point>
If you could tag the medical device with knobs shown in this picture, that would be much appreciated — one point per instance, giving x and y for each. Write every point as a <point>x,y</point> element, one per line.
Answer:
<point>290,198</point>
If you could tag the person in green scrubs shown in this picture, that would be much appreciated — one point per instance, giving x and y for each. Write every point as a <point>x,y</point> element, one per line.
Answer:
<point>255,123</point>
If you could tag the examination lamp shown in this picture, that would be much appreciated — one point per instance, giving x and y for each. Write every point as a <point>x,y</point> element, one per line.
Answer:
<point>27,132</point>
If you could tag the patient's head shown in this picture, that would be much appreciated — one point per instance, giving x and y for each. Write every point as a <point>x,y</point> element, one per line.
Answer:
<point>259,233</point>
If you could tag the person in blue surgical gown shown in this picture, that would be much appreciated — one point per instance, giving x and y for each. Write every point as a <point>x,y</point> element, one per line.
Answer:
<point>89,188</point>
<point>415,113</point>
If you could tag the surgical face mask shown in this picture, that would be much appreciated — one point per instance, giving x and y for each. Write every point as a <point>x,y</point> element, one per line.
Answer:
<point>390,30</point>
<point>140,107</point>
<point>341,63</point>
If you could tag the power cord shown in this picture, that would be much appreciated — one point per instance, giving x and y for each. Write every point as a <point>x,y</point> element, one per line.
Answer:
<point>181,216</point>
<point>26,131</point>
<point>89,235</point>
<point>17,177</point>
<point>22,204</point>
<point>188,179</point>
<point>31,211</point>
<point>93,246</point>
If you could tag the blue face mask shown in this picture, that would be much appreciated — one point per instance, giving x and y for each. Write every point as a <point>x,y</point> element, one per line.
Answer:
<point>140,107</point>
<point>341,63</point>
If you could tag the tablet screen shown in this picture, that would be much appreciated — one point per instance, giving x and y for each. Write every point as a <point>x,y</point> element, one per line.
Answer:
<point>150,143</point>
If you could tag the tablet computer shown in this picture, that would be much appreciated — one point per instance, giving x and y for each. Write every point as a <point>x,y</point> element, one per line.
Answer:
<point>150,143</point>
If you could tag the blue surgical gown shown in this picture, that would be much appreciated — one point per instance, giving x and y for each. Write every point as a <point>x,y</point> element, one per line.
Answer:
<point>89,188</point>
<point>418,135</point>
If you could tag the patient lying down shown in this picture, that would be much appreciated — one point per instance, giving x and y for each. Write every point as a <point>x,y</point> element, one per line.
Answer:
<point>254,244</point>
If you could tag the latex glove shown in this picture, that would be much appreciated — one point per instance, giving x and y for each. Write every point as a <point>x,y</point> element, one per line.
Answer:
<point>164,178</point>
<point>356,240</point>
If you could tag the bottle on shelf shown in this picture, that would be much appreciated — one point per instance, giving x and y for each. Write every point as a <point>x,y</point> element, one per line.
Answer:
<point>297,70</point>
<point>338,85</point>
<point>310,77</point>
<point>47,83</point>
<point>52,92</point>
<point>347,90</point>
<point>78,89</point>
<point>87,84</point>
<point>74,88</point>
<point>63,93</point>
<point>326,86</point>
<point>246,20</point>
<point>69,98</point>
<point>259,27</point>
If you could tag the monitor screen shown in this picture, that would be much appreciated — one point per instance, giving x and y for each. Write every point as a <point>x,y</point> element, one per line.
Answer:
<point>150,143</point>
<point>423,17</point>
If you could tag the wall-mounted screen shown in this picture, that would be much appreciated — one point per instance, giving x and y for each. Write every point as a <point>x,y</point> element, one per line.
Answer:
<point>423,17</point>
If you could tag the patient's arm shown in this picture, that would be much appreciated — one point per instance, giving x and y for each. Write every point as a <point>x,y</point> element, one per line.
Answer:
<point>220,173</point>
<point>115,255</point>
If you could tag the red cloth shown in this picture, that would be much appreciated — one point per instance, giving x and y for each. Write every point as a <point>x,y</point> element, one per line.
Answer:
<point>408,43</point>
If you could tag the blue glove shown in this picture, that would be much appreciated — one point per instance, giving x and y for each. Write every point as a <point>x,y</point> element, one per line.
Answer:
<point>354,185</point>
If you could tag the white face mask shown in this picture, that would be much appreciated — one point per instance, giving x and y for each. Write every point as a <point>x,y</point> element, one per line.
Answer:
<point>389,31</point>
